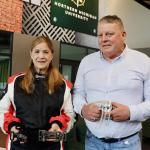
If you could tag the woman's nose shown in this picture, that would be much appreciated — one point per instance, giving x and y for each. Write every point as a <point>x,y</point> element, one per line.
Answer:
<point>41,55</point>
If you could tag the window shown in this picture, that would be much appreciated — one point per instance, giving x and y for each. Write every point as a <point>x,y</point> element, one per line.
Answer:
<point>70,58</point>
<point>5,58</point>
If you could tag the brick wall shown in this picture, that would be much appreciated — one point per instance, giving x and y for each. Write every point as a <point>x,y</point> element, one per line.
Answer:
<point>11,15</point>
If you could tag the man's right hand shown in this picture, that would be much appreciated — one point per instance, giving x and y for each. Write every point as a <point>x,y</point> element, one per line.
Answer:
<point>91,112</point>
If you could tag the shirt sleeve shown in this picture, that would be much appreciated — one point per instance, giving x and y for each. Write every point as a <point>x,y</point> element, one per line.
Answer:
<point>6,114</point>
<point>141,111</point>
<point>68,106</point>
<point>7,111</point>
<point>79,95</point>
<point>66,118</point>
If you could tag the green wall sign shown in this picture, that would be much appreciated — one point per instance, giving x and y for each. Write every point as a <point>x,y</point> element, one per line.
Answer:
<point>78,15</point>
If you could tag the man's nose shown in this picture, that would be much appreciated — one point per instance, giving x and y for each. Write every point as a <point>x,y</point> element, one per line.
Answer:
<point>104,38</point>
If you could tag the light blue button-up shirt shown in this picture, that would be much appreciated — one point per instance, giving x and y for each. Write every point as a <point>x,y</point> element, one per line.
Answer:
<point>125,80</point>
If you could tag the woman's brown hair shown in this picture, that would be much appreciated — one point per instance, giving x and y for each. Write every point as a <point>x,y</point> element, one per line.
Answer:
<point>54,77</point>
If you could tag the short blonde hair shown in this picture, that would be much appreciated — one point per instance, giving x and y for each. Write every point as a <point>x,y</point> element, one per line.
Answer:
<point>112,19</point>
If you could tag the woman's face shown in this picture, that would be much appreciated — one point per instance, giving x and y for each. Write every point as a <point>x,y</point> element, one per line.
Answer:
<point>41,56</point>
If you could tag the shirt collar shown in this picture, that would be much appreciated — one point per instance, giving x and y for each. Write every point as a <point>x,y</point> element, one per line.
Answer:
<point>122,55</point>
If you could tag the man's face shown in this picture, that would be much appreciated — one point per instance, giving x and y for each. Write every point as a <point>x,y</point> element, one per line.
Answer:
<point>111,39</point>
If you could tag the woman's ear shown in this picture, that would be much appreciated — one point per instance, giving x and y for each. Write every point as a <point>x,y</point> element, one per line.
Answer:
<point>31,55</point>
<point>124,34</point>
<point>52,57</point>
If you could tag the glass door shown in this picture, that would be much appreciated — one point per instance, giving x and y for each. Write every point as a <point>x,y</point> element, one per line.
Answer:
<point>69,69</point>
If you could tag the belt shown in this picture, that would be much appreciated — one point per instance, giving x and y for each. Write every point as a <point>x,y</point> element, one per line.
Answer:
<point>114,140</point>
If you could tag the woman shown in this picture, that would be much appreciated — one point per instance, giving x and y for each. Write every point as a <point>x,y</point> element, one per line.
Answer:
<point>37,100</point>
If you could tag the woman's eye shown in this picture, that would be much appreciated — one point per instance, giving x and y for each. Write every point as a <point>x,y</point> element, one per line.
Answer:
<point>36,52</point>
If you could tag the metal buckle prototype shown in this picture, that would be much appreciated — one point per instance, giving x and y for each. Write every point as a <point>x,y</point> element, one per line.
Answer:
<point>47,136</point>
<point>105,107</point>
<point>20,137</point>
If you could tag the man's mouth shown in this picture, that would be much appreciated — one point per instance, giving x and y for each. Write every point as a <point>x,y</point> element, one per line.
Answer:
<point>106,46</point>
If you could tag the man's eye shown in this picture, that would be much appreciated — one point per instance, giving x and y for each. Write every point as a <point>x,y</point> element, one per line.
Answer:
<point>100,35</point>
<point>110,34</point>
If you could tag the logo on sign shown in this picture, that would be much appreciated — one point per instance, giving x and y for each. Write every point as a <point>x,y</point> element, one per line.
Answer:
<point>78,2</point>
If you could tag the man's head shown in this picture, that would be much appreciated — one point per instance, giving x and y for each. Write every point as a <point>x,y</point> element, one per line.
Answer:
<point>111,36</point>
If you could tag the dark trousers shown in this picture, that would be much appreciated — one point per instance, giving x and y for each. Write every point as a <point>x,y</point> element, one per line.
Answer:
<point>36,146</point>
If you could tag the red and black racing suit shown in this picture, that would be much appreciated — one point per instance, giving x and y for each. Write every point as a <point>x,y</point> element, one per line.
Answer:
<point>36,111</point>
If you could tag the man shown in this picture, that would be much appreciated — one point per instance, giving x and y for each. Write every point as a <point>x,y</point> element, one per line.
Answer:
<point>118,76</point>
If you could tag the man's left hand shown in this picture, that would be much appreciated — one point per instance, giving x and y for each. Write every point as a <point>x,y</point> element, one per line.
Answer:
<point>120,112</point>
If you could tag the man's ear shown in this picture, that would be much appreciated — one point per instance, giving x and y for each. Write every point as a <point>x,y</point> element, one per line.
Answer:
<point>124,34</point>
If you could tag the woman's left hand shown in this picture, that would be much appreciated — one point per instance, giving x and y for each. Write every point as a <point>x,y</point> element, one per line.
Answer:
<point>54,128</point>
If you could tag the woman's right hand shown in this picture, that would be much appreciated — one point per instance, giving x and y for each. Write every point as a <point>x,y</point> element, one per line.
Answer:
<point>14,129</point>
